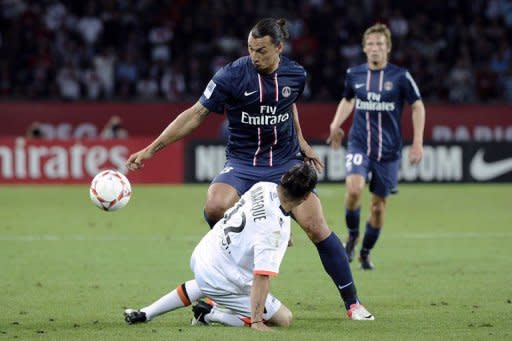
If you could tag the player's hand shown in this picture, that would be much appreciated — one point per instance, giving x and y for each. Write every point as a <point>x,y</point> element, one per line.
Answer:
<point>135,161</point>
<point>415,153</point>
<point>262,327</point>
<point>336,135</point>
<point>312,158</point>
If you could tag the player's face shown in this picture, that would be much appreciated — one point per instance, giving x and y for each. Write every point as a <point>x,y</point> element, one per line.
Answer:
<point>264,55</point>
<point>376,49</point>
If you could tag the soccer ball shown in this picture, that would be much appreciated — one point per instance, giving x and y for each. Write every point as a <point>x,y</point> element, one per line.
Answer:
<point>110,190</point>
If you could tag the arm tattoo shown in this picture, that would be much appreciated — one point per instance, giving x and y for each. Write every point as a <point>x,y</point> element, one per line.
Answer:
<point>203,112</point>
<point>158,147</point>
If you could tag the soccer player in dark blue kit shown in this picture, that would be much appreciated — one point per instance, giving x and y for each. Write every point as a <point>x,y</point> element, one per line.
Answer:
<point>258,92</point>
<point>377,90</point>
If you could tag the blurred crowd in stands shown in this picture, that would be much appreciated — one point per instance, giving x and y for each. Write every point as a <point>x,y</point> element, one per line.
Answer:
<point>457,50</point>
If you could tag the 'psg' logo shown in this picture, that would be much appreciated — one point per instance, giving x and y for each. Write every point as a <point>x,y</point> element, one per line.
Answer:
<point>286,91</point>
<point>388,86</point>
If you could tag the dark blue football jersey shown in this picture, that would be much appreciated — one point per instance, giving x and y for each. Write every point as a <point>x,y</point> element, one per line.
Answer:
<point>379,99</point>
<point>259,110</point>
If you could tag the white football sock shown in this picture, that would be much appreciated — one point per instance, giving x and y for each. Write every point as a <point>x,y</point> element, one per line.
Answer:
<point>177,298</point>
<point>226,318</point>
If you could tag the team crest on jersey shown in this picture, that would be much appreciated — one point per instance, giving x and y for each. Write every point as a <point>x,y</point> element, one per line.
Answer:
<point>287,91</point>
<point>388,86</point>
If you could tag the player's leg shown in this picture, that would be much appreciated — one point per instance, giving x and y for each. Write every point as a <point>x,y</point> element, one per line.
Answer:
<point>225,190</point>
<point>180,297</point>
<point>357,166</point>
<point>235,310</point>
<point>219,198</point>
<point>310,217</point>
<point>354,185</point>
<point>384,181</point>
<point>282,318</point>
<point>372,232</point>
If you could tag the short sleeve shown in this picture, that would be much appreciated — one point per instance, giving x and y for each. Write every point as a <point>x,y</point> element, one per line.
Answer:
<point>410,89</point>
<point>303,84</point>
<point>348,90</point>
<point>217,91</point>
<point>270,247</point>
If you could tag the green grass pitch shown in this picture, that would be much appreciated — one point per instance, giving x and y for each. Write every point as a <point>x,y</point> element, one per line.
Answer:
<point>443,266</point>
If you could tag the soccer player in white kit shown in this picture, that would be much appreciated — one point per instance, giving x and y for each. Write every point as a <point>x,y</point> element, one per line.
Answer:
<point>234,261</point>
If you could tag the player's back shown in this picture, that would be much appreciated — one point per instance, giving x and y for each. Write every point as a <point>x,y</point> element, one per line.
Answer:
<point>253,233</point>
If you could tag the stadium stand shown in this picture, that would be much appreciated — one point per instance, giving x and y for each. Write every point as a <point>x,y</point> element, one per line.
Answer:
<point>148,50</point>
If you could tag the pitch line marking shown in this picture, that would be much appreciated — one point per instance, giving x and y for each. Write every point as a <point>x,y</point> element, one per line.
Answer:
<point>166,238</point>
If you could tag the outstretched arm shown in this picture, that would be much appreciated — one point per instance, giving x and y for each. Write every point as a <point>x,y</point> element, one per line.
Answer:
<point>305,148</point>
<point>180,127</point>
<point>259,293</point>
<point>418,125</point>
<point>336,134</point>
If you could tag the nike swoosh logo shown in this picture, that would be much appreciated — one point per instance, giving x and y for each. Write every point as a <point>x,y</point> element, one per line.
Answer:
<point>359,85</point>
<point>249,93</point>
<point>341,287</point>
<point>481,170</point>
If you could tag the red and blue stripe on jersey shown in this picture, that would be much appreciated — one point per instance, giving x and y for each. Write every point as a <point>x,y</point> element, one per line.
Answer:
<point>259,110</point>
<point>379,99</point>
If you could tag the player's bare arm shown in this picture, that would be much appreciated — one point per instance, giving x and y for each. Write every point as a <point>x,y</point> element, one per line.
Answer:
<point>180,127</point>
<point>305,148</point>
<point>343,111</point>
<point>259,292</point>
<point>418,124</point>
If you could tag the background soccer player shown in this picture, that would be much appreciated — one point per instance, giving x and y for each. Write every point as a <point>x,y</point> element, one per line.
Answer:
<point>377,90</point>
<point>258,93</point>
<point>233,263</point>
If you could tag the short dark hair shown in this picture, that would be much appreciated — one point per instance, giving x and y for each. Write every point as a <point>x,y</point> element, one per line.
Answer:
<point>274,28</point>
<point>299,180</point>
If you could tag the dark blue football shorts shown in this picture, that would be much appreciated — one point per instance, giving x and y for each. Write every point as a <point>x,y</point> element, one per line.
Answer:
<point>382,175</point>
<point>242,177</point>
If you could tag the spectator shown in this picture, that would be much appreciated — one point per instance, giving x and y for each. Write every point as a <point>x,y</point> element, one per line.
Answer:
<point>460,82</point>
<point>104,65</point>
<point>114,129</point>
<point>90,25</point>
<point>100,33</point>
<point>147,88</point>
<point>34,131</point>
<point>68,81</point>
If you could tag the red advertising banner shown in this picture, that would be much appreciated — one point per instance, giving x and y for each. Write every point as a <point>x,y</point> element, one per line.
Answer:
<point>62,120</point>
<point>482,123</point>
<point>75,162</point>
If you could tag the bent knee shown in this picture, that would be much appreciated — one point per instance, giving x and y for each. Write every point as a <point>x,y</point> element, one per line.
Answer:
<point>378,208</point>
<point>354,186</point>
<point>283,318</point>
<point>215,210</point>
<point>353,194</point>
<point>287,321</point>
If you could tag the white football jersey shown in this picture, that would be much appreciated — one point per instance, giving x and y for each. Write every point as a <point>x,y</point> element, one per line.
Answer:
<point>252,238</point>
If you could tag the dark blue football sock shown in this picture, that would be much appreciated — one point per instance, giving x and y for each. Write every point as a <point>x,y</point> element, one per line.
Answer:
<point>335,262</point>
<point>210,222</point>
<point>352,220</point>
<point>370,238</point>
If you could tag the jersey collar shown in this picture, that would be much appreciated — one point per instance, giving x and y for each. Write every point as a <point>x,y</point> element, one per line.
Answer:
<point>283,211</point>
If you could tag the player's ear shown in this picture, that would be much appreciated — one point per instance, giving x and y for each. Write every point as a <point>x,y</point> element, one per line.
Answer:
<point>306,196</point>
<point>280,47</point>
